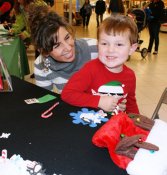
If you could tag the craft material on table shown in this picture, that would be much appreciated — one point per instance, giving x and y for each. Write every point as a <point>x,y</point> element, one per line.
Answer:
<point>44,99</point>
<point>48,112</point>
<point>89,117</point>
<point>16,165</point>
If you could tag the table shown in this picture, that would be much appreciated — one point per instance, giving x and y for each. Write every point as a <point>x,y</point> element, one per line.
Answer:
<point>14,54</point>
<point>61,146</point>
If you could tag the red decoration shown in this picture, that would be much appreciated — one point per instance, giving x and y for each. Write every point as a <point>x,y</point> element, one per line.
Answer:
<point>109,134</point>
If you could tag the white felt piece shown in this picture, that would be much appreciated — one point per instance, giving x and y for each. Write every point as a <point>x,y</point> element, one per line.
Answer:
<point>148,163</point>
<point>7,167</point>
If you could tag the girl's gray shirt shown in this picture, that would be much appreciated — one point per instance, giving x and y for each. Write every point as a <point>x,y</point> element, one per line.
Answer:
<point>51,74</point>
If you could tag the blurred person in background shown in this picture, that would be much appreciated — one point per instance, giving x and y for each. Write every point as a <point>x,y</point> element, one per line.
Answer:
<point>86,12</point>
<point>156,11</point>
<point>116,6</point>
<point>100,9</point>
<point>21,25</point>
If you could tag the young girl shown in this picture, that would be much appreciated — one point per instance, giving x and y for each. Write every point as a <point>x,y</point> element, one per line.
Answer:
<point>61,55</point>
<point>106,82</point>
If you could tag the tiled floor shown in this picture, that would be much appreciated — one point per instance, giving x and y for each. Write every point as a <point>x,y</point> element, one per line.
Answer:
<point>150,72</point>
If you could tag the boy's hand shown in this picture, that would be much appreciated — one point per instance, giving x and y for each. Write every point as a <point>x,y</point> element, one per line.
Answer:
<point>122,105</point>
<point>108,103</point>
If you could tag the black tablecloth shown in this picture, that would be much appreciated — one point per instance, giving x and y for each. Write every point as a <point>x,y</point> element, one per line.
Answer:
<point>61,146</point>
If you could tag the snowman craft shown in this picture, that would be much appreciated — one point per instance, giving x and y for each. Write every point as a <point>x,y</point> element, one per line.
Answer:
<point>135,143</point>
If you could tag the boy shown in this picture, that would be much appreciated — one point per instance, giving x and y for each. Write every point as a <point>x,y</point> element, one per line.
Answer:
<point>106,82</point>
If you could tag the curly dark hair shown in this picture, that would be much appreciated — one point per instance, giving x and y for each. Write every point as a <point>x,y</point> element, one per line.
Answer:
<point>44,25</point>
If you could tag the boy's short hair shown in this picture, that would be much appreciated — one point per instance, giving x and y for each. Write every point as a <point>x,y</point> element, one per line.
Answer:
<point>44,25</point>
<point>117,24</point>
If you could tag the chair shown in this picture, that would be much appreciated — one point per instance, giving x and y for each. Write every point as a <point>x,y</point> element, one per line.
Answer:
<point>163,100</point>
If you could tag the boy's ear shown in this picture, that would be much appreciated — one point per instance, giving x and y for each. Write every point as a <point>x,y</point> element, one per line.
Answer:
<point>133,48</point>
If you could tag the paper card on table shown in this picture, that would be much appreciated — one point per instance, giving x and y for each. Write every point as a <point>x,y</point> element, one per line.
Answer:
<point>31,101</point>
<point>46,98</point>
